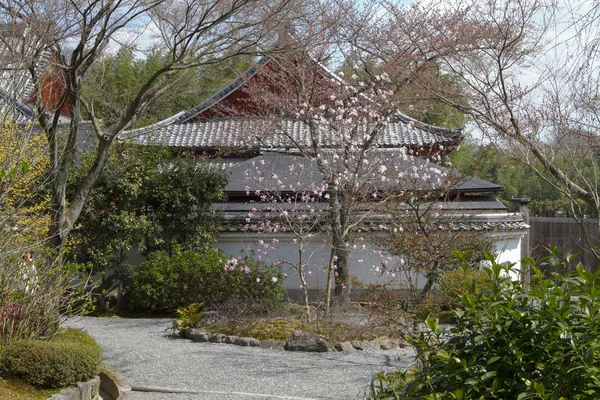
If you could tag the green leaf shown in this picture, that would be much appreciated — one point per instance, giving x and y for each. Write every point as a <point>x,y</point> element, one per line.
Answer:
<point>443,354</point>
<point>539,388</point>
<point>488,375</point>
<point>432,324</point>
<point>25,167</point>
<point>493,360</point>
<point>458,394</point>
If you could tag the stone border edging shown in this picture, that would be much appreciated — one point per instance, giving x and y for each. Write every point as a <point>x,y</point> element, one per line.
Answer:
<point>298,341</point>
<point>83,391</point>
<point>111,386</point>
<point>91,389</point>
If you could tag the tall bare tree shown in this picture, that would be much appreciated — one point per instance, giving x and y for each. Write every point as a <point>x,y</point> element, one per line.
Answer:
<point>528,78</point>
<point>60,40</point>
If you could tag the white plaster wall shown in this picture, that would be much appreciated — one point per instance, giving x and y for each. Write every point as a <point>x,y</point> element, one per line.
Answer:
<point>316,255</point>
<point>509,250</point>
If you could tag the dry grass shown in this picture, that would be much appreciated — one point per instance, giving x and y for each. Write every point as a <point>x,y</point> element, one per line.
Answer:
<point>348,325</point>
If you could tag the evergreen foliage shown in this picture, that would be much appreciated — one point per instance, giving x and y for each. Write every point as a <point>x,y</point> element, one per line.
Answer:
<point>114,81</point>
<point>168,282</point>
<point>510,343</point>
<point>69,357</point>
<point>150,200</point>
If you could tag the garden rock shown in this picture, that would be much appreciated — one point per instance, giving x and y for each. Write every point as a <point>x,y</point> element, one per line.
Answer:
<point>218,338</point>
<point>231,339</point>
<point>366,346</point>
<point>302,341</point>
<point>84,391</point>
<point>344,346</point>
<point>198,335</point>
<point>272,344</point>
<point>388,344</point>
<point>247,341</point>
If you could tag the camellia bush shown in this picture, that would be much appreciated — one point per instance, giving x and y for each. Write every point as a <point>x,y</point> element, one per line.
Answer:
<point>510,343</point>
<point>205,275</point>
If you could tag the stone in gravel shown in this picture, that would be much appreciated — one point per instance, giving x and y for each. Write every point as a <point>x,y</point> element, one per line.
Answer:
<point>302,341</point>
<point>357,345</point>
<point>388,344</point>
<point>231,339</point>
<point>198,335</point>
<point>370,346</point>
<point>247,341</point>
<point>344,346</point>
<point>218,338</point>
<point>272,344</point>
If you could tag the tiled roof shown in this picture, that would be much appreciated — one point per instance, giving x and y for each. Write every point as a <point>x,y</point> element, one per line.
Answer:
<point>223,93</point>
<point>262,133</point>
<point>182,131</point>
<point>497,222</point>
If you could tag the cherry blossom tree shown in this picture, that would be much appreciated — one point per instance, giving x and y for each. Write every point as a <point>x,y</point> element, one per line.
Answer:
<point>335,127</point>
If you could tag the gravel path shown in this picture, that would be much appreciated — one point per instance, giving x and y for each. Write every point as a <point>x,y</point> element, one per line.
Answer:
<point>142,353</point>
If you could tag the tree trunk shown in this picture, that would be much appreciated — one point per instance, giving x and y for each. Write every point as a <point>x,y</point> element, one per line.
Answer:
<point>339,249</point>
<point>329,284</point>
<point>342,281</point>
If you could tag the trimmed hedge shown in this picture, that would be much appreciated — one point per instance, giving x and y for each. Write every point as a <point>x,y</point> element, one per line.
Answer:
<point>69,357</point>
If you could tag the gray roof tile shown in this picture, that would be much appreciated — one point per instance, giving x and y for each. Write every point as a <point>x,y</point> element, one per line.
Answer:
<point>262,133</point>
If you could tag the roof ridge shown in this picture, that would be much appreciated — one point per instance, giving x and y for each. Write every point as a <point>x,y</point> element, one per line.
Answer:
<point>133,133</point>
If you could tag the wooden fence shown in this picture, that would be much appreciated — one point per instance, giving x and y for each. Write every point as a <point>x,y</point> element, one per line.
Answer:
<point>568,235</point>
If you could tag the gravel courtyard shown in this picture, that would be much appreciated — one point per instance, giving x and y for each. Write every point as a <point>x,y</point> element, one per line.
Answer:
<point>142,354</point>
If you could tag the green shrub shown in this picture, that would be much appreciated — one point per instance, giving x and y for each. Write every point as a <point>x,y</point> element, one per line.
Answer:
<point>204,276</point>
<point>454,284</point>
<point>69,357</point>
<point>509,343</point>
